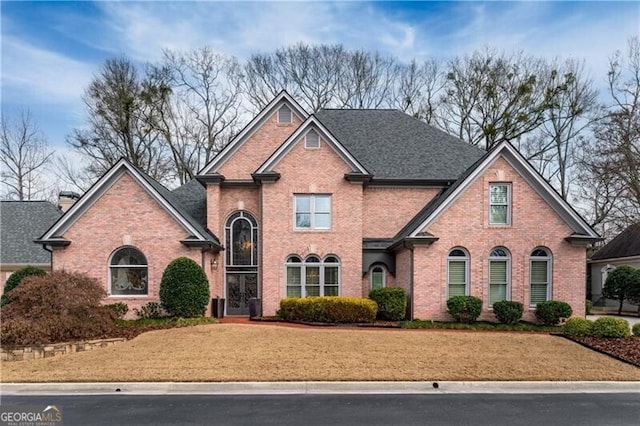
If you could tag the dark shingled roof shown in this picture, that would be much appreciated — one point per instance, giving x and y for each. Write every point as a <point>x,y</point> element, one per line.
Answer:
<point>192,196</point>
<point>626,244</point>
<point>21,222</point>
<point>393,145</point>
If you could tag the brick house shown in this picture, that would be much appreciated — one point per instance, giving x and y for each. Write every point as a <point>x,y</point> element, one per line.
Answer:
<point>336,203</point>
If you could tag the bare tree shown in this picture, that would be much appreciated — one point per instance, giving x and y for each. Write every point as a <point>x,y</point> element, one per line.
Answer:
<point>123,112</point>
<point>491,97</point>
<point>614,158</point>
<point>418,88</point>
<point>24,154</point>
<point>204,112</point>
<point>368,80</point>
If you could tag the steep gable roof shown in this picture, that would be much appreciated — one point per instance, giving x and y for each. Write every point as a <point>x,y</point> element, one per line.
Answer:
<point>308,124</point>
<point>582,231</point>
<point>625,244</point>
<point>198,234</point>
<point>21,222</point>
<point>395,146</point>
<point>227,152</point>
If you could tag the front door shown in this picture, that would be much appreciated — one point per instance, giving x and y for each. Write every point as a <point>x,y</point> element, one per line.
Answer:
<point>240,288</point>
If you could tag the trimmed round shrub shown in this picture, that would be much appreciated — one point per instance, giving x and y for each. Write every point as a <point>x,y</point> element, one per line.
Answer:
<point>610,327</point>
<point>57,307</point>
<point>15,279</point>
<point>552,311</point>
<point>330,309</point>
<point>636,329</point>
<point>465,308</point>
<point>577,327</point>
<point>184,289</point>
<point>508,312</point>
<point>392,303</point>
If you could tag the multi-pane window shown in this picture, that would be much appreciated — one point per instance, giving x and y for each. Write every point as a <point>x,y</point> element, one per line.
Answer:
<point>377,277</point>
<point>458,273</point>
<point>500,204</point>
<point>284,115</point>
<point>540,276</point>
<point>313,211</point>
<point>128,269</point>
<point>312,276</point>
<point>499,275</point>
<point>241,240</point>
<point>312,139</point>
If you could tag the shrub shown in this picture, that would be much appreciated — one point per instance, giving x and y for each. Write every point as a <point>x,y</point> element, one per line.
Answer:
<point>151,310</point>
<point>120,309</point>
<point>552,311</point>
<point>610,327</point>
<point>184,289</point>
<point>332,309</point>
<point>508,312</point>
<point>636,329</point>
<point>577,327</point>
<point>623,283</point>
<point>392,303</point>
<point>15,279</point>
<point>57,307</point>
<point>465,308</point>
<point>588,306</point>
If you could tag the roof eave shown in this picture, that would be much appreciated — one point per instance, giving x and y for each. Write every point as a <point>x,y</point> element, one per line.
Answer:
<point>578,240</point>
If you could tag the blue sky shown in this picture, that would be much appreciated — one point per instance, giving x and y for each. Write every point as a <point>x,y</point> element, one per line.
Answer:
<point>51,50</point>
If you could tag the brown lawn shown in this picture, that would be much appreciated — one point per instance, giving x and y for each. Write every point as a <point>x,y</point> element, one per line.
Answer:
<point>233,352</point>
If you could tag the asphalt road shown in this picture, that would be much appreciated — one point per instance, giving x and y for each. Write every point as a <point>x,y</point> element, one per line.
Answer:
<point>445,409</point>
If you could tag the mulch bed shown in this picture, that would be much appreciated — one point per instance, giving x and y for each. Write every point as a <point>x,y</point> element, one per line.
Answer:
<point>624,349</point>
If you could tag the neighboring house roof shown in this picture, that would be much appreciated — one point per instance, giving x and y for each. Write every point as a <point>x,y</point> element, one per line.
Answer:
<point>227,152</point>
<point>625,244</point>
<point>393,145</point>
<point>21,222</point>
<point>582,232</point>
<point>180,205</point>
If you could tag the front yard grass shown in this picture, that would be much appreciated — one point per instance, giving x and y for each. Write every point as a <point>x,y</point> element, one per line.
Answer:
<point>265,352</point>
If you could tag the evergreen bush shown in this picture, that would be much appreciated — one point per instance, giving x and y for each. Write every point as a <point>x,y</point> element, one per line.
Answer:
<point>508,312</point>
<point>15,279</point>
<point>610,327</point>
<point>330,309</point>
<point>636,329</point>
<point>552,311</point>
<point>465,308</point>
<point>392,303</point>
<point>577,327</point>
<point>184,289</point>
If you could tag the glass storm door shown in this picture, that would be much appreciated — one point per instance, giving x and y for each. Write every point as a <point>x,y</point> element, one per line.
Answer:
<point>241,262</point>
<point>240,288</point>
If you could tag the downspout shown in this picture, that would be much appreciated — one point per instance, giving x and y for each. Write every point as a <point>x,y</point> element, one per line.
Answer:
<point>44,246</point>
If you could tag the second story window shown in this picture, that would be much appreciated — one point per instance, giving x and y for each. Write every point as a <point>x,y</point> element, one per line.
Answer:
<point>312,211</point>
<point>500,204</point>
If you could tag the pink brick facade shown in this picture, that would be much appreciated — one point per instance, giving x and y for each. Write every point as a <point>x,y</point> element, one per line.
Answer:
<point>360,211</point>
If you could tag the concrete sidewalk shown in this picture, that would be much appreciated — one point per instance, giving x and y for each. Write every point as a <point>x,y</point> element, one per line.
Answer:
<point>272,388</point>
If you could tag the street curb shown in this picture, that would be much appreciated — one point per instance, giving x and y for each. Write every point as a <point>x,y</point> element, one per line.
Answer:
<point>279,388</point>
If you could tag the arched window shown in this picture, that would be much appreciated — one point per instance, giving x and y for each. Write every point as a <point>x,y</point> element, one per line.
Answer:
<point>458,272</point>
<point>241,240</point>
<point>540,276</point>
<point>128,269</point>
<point>499,275</point>
<point>377,277</point>
<point>312,277</point>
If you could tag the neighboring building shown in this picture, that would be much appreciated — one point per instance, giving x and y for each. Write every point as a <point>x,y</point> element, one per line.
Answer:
<point>21,222</point>
<point>622,250</point>
<point>336,203</point>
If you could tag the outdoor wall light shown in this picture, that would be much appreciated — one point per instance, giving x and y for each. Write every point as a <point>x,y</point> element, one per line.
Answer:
<point>214,263</point>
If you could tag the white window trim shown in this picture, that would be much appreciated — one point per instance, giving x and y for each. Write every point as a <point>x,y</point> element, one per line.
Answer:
<point>110,278</point>
<point>549,259</point>
<point>500,258</point>
<point>303,274</point>
<point>312,212</point>
<point>306,143</point>
<point>509,203</point>
<point>384,276</point>
<point>290,115</point>
<point>467,261</point>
